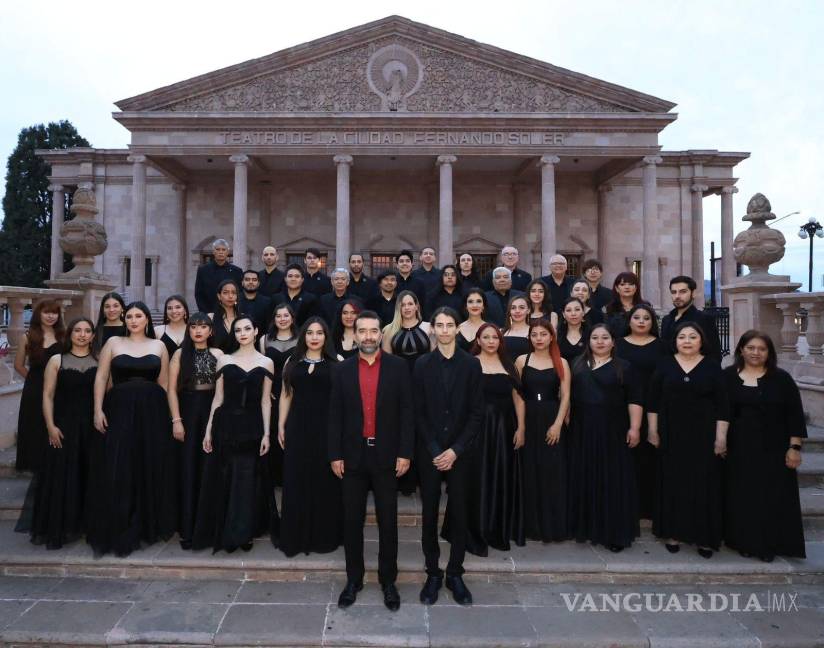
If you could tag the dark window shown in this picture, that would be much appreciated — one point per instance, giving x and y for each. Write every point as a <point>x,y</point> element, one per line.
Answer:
<point>381,263</point>
<point>484,262</point>
<point>573,265</point>
<point>148,271</point>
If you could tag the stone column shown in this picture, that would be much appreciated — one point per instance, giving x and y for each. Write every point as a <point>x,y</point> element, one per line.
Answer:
<point>603,190</point>
<point>445,253</point>
<point>727,256</point>
<point>343,163</point>
<point>241,217</point>
<point>549,243</point>
<point>182,250</point>
<point>58,213</point>
<point>698,240</point>
<point>649,260</point>
<point>137,288</point>
<point>155,303</point>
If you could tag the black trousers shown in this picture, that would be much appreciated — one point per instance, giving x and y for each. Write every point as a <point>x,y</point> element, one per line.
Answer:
<point>384,485</point>
<point>457,484</point>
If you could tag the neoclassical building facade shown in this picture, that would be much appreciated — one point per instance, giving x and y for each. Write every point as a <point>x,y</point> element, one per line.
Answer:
<point>397,135</point>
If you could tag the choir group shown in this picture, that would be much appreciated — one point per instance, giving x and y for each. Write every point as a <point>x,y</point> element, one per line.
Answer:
<point>554,408</point>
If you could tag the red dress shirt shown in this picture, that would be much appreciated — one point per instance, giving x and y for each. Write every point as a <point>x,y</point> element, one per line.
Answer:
<point>368,378</point>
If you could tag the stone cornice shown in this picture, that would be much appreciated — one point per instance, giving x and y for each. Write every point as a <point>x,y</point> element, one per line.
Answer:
<point>708,157</point>
<point>632,100</point>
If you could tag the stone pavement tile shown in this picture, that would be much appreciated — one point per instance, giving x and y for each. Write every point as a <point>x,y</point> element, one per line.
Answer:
<point>286,593</point>
<point>813,562</point>
<point>459,627</point>
<point>485,594</point>
<point>543,594</point>
<point>562,556</point>
<point>11,610</point>
<point>559,627</point>
<point>26,587</point>
<point>272,625</point>
<point>371,625</point>
<point>693,630</point>
<point>806,596</point>
<point>163,622</point>
<point>97,589</point>
<point>66,622</point>
<point>192,591</point>
<point>796,629</point>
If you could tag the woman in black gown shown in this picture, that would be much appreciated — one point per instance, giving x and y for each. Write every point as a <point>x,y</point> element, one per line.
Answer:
<point>626,293</point>
<point>225,313</point>
<point>173,330</point>
<point>192,377</point>
<point>643,349</point>
<point>277,345</point>
<point>43,340</point>
<point>606,422</point>
<point>109,320</point>
<point>581,290</point>
<point>343,329</point>
<point>540,302</point>
<point>139,503</point>
<point>572,331</point>
<point>762,512</point>
<point>545,382</point>
<point>516,330</point>
<point>68,407</point>
<point>237,498</point>
<point>312,505</point>
<point>688,412</point>
<point>474,307</point>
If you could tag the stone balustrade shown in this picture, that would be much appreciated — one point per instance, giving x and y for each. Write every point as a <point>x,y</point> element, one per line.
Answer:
<point>790,304</point>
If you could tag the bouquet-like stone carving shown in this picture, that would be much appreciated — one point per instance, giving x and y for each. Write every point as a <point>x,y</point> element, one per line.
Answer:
<point>83,237</point>
<point>759,246</point>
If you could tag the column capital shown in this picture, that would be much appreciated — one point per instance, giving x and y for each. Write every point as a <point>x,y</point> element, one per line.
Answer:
<point>699,188</point>
<point>239,159</point>
<point>343,159</point>
<point>548,159</point>
<point>729,190</point>
<point>56,187</point>
<point>446,159</point>
<point>651,160</point>
<point>136,159</point>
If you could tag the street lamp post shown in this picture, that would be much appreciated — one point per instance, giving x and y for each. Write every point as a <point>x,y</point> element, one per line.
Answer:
<point>811,229</point>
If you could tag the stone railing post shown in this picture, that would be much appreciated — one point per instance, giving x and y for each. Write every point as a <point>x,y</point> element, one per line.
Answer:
<point>815,327</point>
<point>789,329</point>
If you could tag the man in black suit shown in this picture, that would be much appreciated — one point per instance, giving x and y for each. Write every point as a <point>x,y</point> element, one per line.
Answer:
<point>210,274</point>
<point>303,303</point>
<point>406,280</point>
<point>509,260</point>
<point>271,279</point>
<point>448,413</point>
<point>371,440</point>
<point>359,284</point>
<point>316,282</point>
<point>497,300</point>
<point>558,282</point>
<point>254,304</point>
<point>331,302</point>
<point>682,291</point>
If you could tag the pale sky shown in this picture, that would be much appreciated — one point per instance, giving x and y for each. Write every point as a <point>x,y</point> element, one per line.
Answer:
<point>746,75</point>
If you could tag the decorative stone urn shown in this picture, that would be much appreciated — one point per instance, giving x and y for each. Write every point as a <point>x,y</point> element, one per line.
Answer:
<point>759,246</point>
<point>83,237</point>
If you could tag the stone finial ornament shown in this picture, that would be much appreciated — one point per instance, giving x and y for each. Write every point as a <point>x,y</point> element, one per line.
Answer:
<point>83,237</point>
<point>759,246</point>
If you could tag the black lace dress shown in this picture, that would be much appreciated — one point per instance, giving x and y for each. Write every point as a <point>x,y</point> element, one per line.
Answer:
<point>32,437</point>
<point>237,497</point>
<point>69,474</point>
<point>279,351</point>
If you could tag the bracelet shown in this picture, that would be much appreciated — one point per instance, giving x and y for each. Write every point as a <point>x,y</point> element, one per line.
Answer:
<point>795,446</point>
<point>175,420</point>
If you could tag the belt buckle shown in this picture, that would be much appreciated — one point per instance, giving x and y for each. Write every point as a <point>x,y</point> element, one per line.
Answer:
<point>370,441</point>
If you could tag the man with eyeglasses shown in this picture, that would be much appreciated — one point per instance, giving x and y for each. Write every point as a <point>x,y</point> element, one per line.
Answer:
<point>558,282</point>
<point>509,260</point>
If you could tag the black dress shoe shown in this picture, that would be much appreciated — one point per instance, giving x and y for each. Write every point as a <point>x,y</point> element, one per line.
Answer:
<point>614,548</point>
<point>673,548</point>
<point>460,592</point>
<point>429,593</point>
<point>767,558</point>
<point>349,594</point>
<point>704,553</point>
<point>391,598</point>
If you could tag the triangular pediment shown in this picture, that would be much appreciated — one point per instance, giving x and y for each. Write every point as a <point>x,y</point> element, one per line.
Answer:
<point>395,64</point>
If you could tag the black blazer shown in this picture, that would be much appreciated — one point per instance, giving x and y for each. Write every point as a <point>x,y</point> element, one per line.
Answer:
<point>448,421</point>
<point>305,304</point>
<point>394,418</point>
<point>495,313</point>
<point>712,342</point>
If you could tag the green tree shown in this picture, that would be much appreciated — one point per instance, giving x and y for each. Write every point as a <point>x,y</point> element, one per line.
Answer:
<point>25,238</point>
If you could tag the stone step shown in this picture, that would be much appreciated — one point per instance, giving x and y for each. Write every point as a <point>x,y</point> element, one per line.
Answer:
<point>811,471</point>
<point>815,439</point>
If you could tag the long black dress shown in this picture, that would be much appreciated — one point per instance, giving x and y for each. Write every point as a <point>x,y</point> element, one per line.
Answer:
<point>603,504</point>
<point>278,351</point>
<point>170,344</point>
<point>312,506</point>
<point>140,500</point>
<point>67,472</point>
<point>496,479</point>
<point>107,332</point>
<point>516,345</point>
<point>237,497</point>
<point>32,436</point>
<point>644,358</point>
<point>570,351</point>
<point>544,466</point>
<point>221,338</point>
<point>195,405</point>
<point>689,495</point>
<point>463,342</point>
<point>762,512</point>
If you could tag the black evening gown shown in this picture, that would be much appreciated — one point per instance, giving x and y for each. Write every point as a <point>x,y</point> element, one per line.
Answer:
<point>221,338</point>
<point>516,346</point>
<point>603,503</point>
<point>544,466</point>
<point>32,437</point>
<point>496,516</point>
<point>689,495</point>
<point>237,497</point>
<point>570,351</point>
<point>169,343</point>
<point>644,359</point>
<point>67,473</point>
<point>195,405</point>
<point>278,351</point>
<point>312,506</point>
<point>463,343</point>
<point>111,331</point>
<point>139,502</point>
<point>762,513</point>
<point>344,353</point>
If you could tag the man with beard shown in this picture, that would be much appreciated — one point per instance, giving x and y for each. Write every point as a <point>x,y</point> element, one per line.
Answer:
<point>360,285</point>
<point>682,291</point>
<point>271,279</point>
<point>253,304</point>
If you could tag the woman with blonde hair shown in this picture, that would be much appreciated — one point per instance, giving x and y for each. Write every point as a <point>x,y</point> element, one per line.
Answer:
<point>407,335</point>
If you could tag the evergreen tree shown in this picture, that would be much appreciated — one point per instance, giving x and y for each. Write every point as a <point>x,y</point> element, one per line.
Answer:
<point>25,238</point>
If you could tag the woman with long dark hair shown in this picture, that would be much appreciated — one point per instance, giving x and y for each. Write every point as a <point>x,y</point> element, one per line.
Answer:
<point>572,331</point>
<point>540,302</point>
<point>626,293</point>
<point>173,330</point>
<point>468,275</point>
<point>343,328</point>
<point>545,380</point>
<point>606,425</point>
<point>192,378</point>
<point>449,292</point>
<point>516,329</point>
<point>312,504</point>
<point>237,498</point>
<point>226,311</point>
<point>139,503</point>
<point>581,290</point>
<point>689,412</point>
<point>109,319</point>
<point>762,510</point>
<point>474,305</point>
<point>68,469</point>
<point>43,340</point>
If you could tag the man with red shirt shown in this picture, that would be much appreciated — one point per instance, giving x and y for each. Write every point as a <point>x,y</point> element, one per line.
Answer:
<point>371,441</point>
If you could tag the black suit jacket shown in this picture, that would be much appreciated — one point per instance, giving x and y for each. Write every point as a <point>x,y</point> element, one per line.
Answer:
<point>446,418</point>
<point>304,304</point>
<point>712,343</point>
<point>330,303</point>
<point>496,313</point>
<point>394,418</point>
<point>209,275</point>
